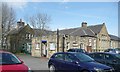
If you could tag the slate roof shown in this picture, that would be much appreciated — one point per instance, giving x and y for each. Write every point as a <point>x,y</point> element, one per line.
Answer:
<point>83,31</point>
<point>113,37</point>
<point>67,31</point>
<point>16,31</point>
<point>96,28</point>
<point>46,32</point>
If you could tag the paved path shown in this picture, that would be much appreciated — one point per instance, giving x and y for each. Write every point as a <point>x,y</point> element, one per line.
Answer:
<point>34,63</point>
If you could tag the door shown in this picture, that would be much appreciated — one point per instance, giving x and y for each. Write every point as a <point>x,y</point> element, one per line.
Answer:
<point>71,63</point>
<point>99,57</point>
<point>59,61</point>
<point>44,48</point>
<point>109,60</point>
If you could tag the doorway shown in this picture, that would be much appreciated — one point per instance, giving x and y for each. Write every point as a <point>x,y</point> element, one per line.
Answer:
<point>44,48</point>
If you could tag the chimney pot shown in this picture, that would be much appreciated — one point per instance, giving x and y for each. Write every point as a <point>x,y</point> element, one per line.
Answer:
<point>20,24</point>
<point>84,24</point>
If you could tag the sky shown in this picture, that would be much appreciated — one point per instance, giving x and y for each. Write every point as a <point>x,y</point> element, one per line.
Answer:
<point>68,14</point>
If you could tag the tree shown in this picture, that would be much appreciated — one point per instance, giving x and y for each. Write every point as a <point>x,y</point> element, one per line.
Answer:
<point>40,22</point>
<point>8,20</point>
<point>0,24</point>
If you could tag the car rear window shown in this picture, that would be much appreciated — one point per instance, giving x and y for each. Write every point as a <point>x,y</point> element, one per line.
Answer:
<point>6,58</point>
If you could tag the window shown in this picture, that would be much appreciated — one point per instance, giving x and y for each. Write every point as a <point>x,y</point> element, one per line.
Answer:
<point>29,36</point>
<point>99,56</point>
<point>37,46</point>
<point>26,36</point>
<point>83,57</point>
<point>59,56</point>
<point>90,42</point>
<point>69,58</point>
<point>94,44</point>
<point>6,58</point>
<point>108,57</point>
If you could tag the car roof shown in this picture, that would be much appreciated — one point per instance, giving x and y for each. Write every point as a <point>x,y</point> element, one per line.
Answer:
<point>76,48</point>
<point>2,51</point>
<point>102,53</point>
<point>66,53</point>
<point>111,48</point>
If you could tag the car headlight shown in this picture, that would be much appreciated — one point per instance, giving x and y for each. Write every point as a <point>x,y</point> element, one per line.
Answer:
<point>29,70</point>
<point>112,69</point>
<point>98,70</point>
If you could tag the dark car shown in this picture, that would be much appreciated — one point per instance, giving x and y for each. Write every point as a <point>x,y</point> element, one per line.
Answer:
<point>110,59</point>
<point>75,62</point>
<point>113,50</point>
<point>77,50</point>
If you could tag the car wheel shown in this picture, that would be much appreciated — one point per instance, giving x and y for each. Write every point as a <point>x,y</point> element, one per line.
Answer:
<point>52,68</point>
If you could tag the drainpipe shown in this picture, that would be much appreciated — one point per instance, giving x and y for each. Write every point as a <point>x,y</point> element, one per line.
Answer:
<point>63,43</point>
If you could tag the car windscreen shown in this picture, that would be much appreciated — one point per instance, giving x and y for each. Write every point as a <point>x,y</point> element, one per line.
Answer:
<point>77,50</point>
<point>83,57</point>
<point>6,58</point>
<point>117,55</point>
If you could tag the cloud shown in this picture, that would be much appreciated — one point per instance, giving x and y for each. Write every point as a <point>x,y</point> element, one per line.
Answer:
<point>66,7</point>
<point>16,4</point>
<point>66,0</point>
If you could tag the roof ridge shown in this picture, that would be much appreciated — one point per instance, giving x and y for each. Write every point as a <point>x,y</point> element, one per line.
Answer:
<point>70,28</point>
<point>95,25</point>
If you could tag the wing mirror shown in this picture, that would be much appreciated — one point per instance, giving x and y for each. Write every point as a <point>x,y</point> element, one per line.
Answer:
<point>114,61</point>
<point>22,62</point>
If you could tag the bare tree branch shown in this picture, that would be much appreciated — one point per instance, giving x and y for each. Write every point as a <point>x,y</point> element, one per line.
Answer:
<point>8,17</point>
<point>8,20</point>
<point>40,21</point>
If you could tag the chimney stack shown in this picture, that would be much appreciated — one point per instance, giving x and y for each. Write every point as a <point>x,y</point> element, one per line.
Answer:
<point>84,24</point>
<point>20,24</point>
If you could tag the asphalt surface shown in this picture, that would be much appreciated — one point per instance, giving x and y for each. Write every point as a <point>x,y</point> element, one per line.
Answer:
<point>35,63</point>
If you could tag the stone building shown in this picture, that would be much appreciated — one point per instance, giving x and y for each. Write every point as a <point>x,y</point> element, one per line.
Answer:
<point>114,42</point>
<point>91,38</point>
<point>20,38</point>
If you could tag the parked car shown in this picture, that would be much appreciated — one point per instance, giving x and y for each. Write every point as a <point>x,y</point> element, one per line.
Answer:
<point>110,59</point>
<point>75,62</point>
<point>10,63</point>
<point>118,49</point>
<point>77,50</point>
<point>113,50</point>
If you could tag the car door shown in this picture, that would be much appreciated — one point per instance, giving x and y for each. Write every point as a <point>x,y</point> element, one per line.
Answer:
<point>71,63</point>
<point>109,60</point>
<point>59,61</point>
<point>99,57</point>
